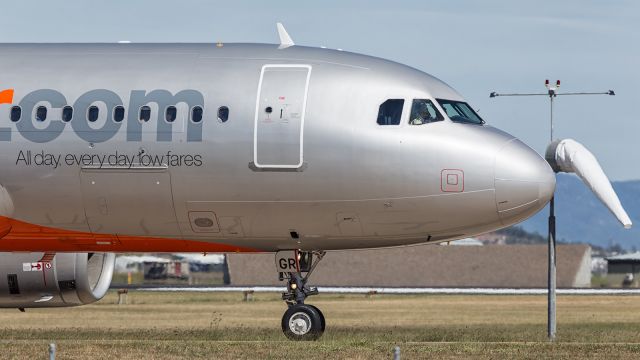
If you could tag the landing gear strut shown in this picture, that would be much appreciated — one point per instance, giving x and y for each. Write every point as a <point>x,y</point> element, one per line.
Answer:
<point>300,322</point>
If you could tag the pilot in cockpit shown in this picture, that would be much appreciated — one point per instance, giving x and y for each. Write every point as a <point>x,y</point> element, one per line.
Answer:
<point>420,114</point>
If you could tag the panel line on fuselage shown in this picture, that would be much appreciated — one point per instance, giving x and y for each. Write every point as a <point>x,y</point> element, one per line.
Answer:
<point>343,200</point>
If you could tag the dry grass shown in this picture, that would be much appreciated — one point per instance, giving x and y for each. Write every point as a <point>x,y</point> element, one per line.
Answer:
<point>214,325</point>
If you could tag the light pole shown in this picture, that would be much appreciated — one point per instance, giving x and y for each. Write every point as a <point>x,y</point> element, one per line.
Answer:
<point>551,281</point>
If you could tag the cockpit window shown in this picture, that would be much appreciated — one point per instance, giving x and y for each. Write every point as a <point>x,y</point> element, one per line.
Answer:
<point>423,112</point>
<point>459,111</point>
<point>390,112</point>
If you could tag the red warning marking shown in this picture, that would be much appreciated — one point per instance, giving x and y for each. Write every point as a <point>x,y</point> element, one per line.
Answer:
<point>281,97</point>
<point>452,180</point>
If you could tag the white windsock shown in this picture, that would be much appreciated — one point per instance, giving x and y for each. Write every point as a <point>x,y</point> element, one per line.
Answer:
<point>570,156</point>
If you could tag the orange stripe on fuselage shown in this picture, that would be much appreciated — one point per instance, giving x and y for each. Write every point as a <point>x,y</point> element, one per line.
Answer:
<point>16,235</point>
<point>6,96</point>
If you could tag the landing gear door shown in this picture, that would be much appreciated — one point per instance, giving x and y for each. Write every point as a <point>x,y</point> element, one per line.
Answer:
<point>279,120</point>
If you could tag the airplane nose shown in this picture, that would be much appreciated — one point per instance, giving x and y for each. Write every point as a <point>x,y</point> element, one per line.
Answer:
<point>524,182</point>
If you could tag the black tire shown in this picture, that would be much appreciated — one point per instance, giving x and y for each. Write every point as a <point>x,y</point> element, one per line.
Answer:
<point>322,322</point>
<point>302,323</point>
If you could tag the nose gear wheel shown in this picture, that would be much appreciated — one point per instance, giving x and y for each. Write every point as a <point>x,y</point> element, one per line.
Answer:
<point>302,322</point>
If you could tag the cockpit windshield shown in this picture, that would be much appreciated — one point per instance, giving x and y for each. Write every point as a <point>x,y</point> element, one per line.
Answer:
<point>423,112</point>
<point>459,111</point>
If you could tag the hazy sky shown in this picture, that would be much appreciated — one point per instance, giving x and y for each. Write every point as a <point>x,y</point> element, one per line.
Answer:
<point>475,46</point>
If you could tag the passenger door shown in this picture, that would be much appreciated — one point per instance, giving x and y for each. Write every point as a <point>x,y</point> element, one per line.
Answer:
<point>280,112</point>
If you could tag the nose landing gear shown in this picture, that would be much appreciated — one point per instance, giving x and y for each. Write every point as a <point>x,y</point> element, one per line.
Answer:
<point>301,322</point>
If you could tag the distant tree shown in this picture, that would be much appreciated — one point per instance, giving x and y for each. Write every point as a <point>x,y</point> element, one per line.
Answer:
<point>517,235</point>
<point>615,248</point>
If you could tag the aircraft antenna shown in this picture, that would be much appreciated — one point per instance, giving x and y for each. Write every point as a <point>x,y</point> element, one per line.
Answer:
<point>285,39</point>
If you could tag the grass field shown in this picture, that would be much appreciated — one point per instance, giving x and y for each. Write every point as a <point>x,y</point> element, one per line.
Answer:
<point>222,326</point>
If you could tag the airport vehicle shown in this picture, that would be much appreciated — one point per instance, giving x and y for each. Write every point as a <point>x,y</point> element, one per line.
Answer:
<point>112,148</point>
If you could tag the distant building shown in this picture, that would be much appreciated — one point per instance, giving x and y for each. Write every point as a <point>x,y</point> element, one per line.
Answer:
<point>598,265</point>
<point>493,238</point>
<point>153,267</point>
<point>135,263</point>
<point>199,262</point>
<point>465,242</point>
<point>430,266</point>
<point>156,270</point>
<point>188,268</point>
<point>624,269</point>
